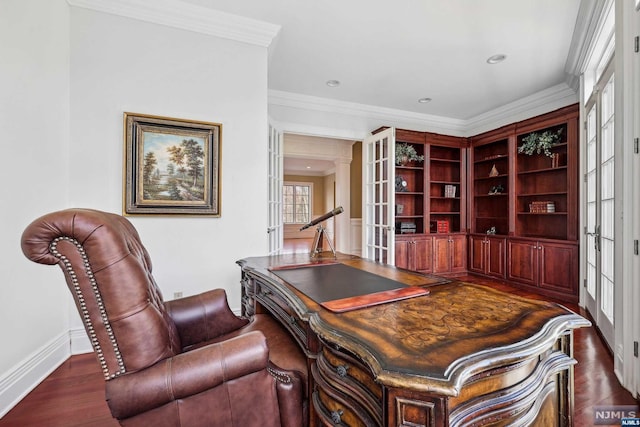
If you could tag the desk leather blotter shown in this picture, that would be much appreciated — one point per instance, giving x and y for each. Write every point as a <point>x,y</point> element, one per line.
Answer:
<point>338,287</point>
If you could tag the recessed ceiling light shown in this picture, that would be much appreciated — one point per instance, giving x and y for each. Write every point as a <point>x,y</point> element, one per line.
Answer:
<point>496,58</point>
<point>333,83</point>
<point>424,100</point>
<point>308,167</point>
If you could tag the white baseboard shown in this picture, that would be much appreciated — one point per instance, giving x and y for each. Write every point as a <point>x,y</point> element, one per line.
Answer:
<point>80,343</point>
<point>24,377</point>
<point>356,236</point>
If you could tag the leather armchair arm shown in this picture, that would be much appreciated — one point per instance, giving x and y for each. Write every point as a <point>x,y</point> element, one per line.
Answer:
<point>187,374</point>
<point>203,317</point>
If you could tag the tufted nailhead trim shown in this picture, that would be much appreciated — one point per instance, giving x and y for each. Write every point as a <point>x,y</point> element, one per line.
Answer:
<point>279,375</point>
<point>53,247</point>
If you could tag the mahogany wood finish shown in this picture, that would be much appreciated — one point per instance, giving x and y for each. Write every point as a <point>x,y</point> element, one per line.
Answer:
<point>549,267</point>
<point>425,203</point>
<point>490,208</point>
<point>489,355</point>
<point>541,250</point>
<point>501,186</point>
<point>73,395</point>
<point>446,165</point>
<point>487,255</point>
<point>415,252</point>
<point>449,253</point>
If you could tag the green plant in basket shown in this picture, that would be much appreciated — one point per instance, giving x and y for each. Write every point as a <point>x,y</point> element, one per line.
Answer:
<point>406,153</point>
<point>537,143</point>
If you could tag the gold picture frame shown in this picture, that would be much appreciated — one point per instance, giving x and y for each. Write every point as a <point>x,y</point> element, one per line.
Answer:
<point>171,166</point>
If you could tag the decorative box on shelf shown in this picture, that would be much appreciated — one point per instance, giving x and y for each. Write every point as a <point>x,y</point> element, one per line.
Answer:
<point>546,206</point>
<point>407,227</point>
<point>439,226</point>
<point>450,191</point>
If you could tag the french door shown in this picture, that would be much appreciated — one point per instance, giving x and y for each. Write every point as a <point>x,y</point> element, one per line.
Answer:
<point>275,227</point>
<point>378,168</point>
<point>600,205</point>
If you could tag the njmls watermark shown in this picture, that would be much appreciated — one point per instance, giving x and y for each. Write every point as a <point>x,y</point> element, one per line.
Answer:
<point>621,415</point>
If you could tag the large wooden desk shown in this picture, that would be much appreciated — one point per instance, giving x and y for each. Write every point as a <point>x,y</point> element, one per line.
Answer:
<point>462,355</point>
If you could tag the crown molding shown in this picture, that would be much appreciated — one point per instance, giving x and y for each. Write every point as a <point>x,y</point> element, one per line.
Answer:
<point>591,16</point>
<point>186,16</point>
<point>541,102</point>
<point>334,106</point>
<point>544,101</point>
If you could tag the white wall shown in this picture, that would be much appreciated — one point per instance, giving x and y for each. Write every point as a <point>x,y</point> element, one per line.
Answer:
<point>120,64</point>
<point>67,75</point>
<point>34,133</point>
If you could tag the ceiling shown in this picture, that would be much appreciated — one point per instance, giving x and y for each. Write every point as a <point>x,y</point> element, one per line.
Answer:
<point>391,53</point>
<point>308,167</point>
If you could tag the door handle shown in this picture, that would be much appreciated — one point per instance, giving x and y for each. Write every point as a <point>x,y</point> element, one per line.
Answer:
<point>596,237</point>
<point>270,229</point>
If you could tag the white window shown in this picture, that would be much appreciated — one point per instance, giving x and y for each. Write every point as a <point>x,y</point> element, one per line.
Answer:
<point>296,202</point>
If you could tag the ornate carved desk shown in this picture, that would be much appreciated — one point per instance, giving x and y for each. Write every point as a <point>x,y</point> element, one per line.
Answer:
<point>463,355</point>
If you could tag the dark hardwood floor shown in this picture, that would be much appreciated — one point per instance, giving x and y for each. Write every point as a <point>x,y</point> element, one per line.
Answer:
<point>73,395</point>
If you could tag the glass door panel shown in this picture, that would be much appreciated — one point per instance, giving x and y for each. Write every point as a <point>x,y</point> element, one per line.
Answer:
<point>599,206</point>
<point>377,168</point>
<point>607,166</point>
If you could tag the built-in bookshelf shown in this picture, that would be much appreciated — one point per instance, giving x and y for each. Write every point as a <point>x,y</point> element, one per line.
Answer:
<point>445,189</point>
<point>410,194</point>
<point>542,209</point>
<point>491,187</point>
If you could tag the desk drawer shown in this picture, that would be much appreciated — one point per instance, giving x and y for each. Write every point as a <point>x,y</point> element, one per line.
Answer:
<point>535,393</point>
<point>334,408</point>
<point>248,295</point>
<point>276,304</point>
<point>344,380</point>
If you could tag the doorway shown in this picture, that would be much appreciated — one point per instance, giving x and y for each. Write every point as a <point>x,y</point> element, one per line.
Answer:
<point>600,204</point>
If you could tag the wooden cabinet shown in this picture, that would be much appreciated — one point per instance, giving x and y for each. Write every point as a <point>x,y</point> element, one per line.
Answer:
<point>414,252</point>
<point>430,201</point>
<point>447,189</point>
<point>551,267</point>
<point>432,253</point>
<point>487,255</point>
<point>547,187</point>
<point>431,193</point>
<point>449,253</point>
<point>490,185</point>
<point>410,183</point>
<point>531,200</point>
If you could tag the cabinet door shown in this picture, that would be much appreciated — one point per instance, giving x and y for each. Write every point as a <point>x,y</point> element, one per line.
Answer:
<point>522,258</point>
<point>477,254</point>
<point>495,248</point>
<point>423,256</point>
<point>441,254</point>
<point>458,252</point>
<point>402,248</point>
<point>557,267</point>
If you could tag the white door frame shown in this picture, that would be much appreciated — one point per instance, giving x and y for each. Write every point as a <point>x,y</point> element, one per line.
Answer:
<point>378,195</point>
<point>274,200</point>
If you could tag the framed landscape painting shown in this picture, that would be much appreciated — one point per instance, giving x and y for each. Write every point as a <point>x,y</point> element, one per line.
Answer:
<point>172,166</point>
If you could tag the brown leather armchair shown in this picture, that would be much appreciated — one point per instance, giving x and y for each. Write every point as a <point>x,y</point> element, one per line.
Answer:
<point>186,362</point>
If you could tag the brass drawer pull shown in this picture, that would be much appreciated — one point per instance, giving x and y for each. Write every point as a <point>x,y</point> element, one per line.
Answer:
<point>342,370</point>
<point>336,416</point>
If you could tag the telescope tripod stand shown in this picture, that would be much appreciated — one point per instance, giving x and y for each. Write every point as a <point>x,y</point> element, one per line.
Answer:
<point>316,248</point>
